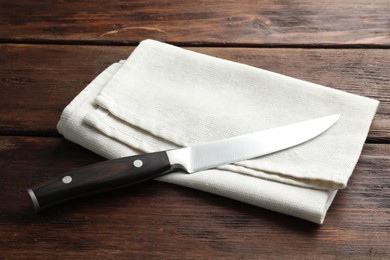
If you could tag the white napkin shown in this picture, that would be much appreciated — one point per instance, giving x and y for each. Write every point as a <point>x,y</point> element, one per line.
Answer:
<point>163,97</point>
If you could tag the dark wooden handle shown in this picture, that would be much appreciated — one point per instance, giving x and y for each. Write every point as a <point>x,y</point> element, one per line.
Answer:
<point>99,177</point>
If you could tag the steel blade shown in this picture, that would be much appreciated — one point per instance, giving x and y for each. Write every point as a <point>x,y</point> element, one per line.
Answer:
<point>210,155</point>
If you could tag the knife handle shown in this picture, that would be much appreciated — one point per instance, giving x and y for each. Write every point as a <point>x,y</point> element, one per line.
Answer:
<point>99,177</point>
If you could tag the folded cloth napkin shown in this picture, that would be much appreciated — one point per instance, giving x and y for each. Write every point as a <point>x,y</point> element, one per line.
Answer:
<point>164,97</point>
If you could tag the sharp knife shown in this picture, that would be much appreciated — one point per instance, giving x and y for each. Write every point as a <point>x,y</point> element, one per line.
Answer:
<point>131,170</point>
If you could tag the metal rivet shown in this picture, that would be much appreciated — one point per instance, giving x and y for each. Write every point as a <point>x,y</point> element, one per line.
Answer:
<point>138,163</point>
<point>67,179</point>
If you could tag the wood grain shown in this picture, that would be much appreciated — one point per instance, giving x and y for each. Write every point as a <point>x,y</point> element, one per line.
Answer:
<point>50,50</point>
<point>38,81</point>
<point>158,220</point>
<point>249,22</point>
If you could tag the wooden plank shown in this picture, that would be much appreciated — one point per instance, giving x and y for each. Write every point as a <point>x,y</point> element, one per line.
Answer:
<point>157,220</point>
<point>38,81</point>
<point>269,22</point>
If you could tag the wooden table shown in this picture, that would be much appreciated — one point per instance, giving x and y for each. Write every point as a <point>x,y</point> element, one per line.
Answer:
<point>50,50</point>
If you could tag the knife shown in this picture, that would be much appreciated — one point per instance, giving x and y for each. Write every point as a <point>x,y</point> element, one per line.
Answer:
<point>131,170</point>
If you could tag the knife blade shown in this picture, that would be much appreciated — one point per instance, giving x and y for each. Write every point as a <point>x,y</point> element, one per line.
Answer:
<point>127,171</point>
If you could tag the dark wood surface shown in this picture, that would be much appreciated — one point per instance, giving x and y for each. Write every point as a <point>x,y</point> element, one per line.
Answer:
<point>247,22</point>
<point>49,51</point>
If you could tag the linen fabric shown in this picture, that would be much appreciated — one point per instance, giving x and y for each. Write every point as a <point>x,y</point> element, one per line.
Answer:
<point>164,97</point>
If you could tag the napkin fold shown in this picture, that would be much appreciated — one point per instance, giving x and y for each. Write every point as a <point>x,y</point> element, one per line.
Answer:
<point>164,97</point>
